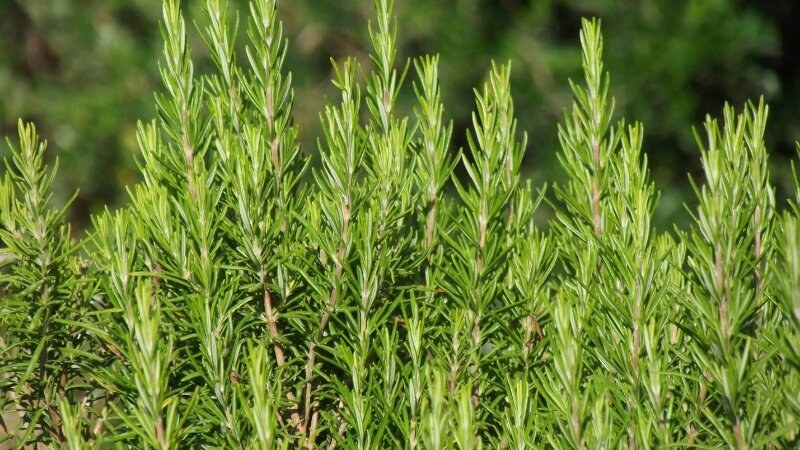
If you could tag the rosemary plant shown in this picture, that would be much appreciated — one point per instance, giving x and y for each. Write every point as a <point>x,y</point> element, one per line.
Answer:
<point>245,299</point>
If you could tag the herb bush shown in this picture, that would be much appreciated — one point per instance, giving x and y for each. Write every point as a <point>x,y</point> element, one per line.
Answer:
<point>245,299</point>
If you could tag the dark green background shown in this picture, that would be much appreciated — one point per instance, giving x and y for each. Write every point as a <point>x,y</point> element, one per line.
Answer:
<point>84,72</point>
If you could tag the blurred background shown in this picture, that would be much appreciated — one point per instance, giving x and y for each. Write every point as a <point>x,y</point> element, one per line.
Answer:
<point>84,71</point>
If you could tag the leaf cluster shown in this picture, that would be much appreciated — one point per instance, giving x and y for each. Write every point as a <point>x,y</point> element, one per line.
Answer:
<point>244,299</point>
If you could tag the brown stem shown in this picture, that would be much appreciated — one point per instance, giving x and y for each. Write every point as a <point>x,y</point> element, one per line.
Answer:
<point>273,327</point>
<point>691,436</point>
<point>334,295</point>
<point>528,343</point>
<point>339,435</point>
<point>99,426</point>
<point>269,109</point>
<point>277,347</point>
<point>312,354</point>
<point>160,434</point>
<point>576,424</point>
<point>737,434</point>
<point>56,432</point>
<point>703,393</point>
<point>312,431</point>
<point>323,322</point>
<point>431,223</point>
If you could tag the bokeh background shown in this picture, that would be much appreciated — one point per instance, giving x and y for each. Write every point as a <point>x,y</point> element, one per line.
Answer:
<point>84,71</point>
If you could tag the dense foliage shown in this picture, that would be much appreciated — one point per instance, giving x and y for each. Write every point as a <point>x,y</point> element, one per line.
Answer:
<point>83,71</point>
<point>243,299</point>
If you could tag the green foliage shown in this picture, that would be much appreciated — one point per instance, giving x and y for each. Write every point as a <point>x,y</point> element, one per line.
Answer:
<point>45,351</point>
<point>378,300</point>
<point>83,71</point>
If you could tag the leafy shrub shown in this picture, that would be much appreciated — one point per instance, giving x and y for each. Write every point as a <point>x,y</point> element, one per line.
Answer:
<point>244,299</point>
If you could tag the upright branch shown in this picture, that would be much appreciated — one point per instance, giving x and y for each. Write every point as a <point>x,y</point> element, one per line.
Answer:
<point>763,198</point>
<point>180,109</point>
<point>40,290</point>
<point>563,385</point>
<point>157,422</point>
<point>389,138</point>
<point>436,163</point>
<point>724,267</point>
<point>532,261</point>
<point>587,137</point>
<point>263,413</point>
<point>788,302</point>
<point>272,95</point>
<point>339,194</point>
<point>434,167</point>
<point>589,144</point>
<point>474,281</point>
<point>631,296</point>
<point>259,155</point>
<point>385,83</point>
